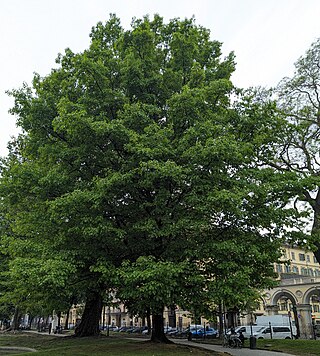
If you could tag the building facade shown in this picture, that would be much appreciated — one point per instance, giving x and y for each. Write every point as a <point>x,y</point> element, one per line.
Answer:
<point>297,294</point>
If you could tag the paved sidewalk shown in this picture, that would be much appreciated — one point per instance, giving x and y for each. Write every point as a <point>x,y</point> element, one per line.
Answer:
<point>46,333</point>
<point>15,349</point>
<point>230,351</point>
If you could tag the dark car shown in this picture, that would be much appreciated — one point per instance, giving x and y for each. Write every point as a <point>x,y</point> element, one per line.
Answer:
<point>124,329</point>
<point>181,333</point>
<point>201,333</point>
<point>211,333</point>
<point>138,329</point>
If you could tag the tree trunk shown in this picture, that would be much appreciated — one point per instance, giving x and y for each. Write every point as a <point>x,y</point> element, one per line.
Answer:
<point>30,321</point>
<point>16,319</point>
<point>149,321</point>
<point>158,334</point>
<point>59,318</point>
<point>316,225</point>
<point>221,321</point>
<point>89,324</point>
<point>104,318</point>
<point>66,324</point>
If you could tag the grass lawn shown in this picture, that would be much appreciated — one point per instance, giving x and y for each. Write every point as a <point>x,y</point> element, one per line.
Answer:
<point>295,347</point>
<point>66,346</point>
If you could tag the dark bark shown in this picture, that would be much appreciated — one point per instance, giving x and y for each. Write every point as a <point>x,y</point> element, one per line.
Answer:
<point>158,334</point>
<point>104,318</point>
<point>172,316</point>
<point>316,225</point>
<point>89,324</point>
<point>148,317</point>
<point>16,319</point>
<point>59,318</point>
<point>221,321</point>
<point>30,321</point>
<point>66,324</point>
<point>232,316</point>
<point>317,252</point>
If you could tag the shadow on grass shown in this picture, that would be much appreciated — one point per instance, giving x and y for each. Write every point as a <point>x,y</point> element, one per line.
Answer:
<point>47,345</point>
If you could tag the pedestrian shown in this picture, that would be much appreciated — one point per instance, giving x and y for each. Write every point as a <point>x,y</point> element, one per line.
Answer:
<point>241,337</point>
<point>50,328</point>
<point>232,336</point>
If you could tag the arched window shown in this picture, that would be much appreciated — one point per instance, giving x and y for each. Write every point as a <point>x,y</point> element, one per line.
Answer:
<point>295,269</point>
<point>287,269</point>
<point>310,272</point>
<point>304,271</point>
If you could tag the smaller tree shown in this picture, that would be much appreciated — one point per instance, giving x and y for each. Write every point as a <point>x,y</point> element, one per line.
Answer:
<point>148,285</point>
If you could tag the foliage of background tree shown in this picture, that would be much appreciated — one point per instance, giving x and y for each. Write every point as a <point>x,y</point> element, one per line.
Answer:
<point>132,155</point>
<point>299,98</point>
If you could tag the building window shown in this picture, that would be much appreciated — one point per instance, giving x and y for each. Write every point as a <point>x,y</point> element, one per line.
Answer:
<point>310,272</point>
<point>317,273</point>
<point>304,271</point>
<point>308,258</point>
<point>295,269</point>
<point>314,259</point>
<point>279,268</point>
<point>283,307</point>
<point>316,308</point>
<point>302,257</point>
<point>287,269</point>
<point>293,256</point>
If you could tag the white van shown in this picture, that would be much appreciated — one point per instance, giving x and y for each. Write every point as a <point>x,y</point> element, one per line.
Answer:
<point>246,330</point>
<point>278,332</point>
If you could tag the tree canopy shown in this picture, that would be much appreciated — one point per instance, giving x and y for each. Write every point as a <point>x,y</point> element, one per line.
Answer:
<point>138,171</point>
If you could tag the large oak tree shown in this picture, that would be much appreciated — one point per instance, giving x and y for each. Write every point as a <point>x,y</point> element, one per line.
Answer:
<point>137,156</point>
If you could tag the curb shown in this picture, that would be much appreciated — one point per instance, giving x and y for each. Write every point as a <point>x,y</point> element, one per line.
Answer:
<point>16,348</point>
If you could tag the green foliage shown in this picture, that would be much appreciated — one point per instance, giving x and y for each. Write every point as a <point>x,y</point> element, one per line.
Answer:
<point>150,284</point>
<point>139,170</point>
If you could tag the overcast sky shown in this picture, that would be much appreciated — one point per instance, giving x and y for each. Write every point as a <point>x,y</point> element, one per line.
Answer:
<point>267,36</point>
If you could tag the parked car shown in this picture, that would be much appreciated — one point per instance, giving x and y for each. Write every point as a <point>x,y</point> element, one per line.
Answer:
<point>211,333</point>
<point>203,332</point>
<point>111,327</point>
<point>181,333</point>
<point>196,332</point>
<point>138,329</point>
<point>129,329</point>
<point>169,329</point>
<point>123,329</point>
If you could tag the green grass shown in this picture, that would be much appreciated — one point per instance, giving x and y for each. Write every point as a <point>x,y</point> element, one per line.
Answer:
<point>295,347</point>
<point>113,346</point>
<point>121,345</point>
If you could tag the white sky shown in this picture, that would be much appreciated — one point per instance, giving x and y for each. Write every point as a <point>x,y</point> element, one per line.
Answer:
<point>267,36</point>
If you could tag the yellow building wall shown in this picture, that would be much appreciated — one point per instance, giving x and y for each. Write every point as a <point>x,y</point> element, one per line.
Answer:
<point>298,262</point>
